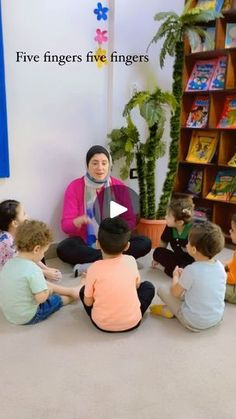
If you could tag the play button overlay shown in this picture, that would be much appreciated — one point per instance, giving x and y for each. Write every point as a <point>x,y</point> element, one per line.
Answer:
<point>117,201</point>
<point>116,209</point>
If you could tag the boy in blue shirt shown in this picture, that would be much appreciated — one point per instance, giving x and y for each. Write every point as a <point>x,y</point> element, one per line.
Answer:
<point>196,296</point>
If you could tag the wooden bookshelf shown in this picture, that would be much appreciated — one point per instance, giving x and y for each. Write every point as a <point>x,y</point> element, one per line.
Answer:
<point>221,211</point>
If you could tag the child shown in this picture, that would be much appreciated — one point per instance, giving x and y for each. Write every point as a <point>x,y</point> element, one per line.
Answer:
<point>12,214</point>
<point>113,296</point>
<point>179,222</point>
<point>230,267</point>
<point>202,282</point>
<point>25,296</point>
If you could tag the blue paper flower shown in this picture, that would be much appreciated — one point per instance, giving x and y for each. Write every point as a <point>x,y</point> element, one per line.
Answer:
<point>101,12</point>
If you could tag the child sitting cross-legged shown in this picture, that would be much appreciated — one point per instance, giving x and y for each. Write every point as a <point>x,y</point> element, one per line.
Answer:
<point>113,296</point>
<point>25,296</point>
<point>196,296</point>
<point>179,221</point>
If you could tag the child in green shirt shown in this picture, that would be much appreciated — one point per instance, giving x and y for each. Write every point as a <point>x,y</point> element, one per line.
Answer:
<point>25,296</point>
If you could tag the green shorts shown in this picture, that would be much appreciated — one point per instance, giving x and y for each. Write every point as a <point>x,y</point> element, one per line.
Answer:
<point>230,294</point>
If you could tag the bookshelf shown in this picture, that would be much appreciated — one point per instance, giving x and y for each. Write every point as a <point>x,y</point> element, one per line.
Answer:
<point>220,210</point>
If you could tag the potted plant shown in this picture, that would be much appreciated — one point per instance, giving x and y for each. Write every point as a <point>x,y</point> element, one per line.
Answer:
<point>126,143</point>
<point>174,31</point>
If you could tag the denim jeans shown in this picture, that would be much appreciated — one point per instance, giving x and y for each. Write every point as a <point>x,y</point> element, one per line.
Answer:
<point>52,304</point>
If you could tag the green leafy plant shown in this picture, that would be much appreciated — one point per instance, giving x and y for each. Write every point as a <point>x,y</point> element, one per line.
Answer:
<point>126,143</point>
<point>173,31</point>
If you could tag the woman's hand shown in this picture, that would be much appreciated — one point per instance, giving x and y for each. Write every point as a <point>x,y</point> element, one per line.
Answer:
<point>79,221</point>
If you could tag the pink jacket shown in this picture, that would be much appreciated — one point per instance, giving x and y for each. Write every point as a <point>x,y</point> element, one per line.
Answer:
<point>74,206</point>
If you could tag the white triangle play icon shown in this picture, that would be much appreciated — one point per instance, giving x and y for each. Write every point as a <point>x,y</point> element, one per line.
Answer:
<point>116,209</point>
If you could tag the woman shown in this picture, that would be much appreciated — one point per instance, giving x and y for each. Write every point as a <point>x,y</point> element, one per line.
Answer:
<point>78,219</point>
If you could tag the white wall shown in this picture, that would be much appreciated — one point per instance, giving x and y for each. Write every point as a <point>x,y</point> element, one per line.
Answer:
<point>55,113</point>
<point>133,30</point>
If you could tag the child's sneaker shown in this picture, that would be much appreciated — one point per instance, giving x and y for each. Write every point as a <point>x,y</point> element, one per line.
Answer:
<point>81,268</point>
<point>161,310</point>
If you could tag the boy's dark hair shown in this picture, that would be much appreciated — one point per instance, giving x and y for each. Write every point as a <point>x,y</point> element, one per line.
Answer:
<point>32,233</point>
<point>182,209</point>
<point>113,235</point>
<point>233,218</point>
<point>207,237</point>
<point>8,213</point>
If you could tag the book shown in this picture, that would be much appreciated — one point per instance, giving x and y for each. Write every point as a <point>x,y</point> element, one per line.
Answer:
<point>201,75</point>
<point>198,115</point>
<point>224,187</point>
<point>228,116</point>
<point>211,32</point>
<point>201,214</point>
<point>226,5</point>
<point>210,4</point>
<point>206,44</point>
<point>202,147</point>
<point>195,182</point>
<point>230,35</point>
<point>232,161</point>
<point>218,78</point>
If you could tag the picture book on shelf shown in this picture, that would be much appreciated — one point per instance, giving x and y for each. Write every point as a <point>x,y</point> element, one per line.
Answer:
<point>209,41</point>
<point>202,147</point>
<point>210,4</point>
<point>201,75</point>
<point>218,78</point>
<point>224,187</point>
<point>195,182</point>
<point>232,161</point>
<point>228,116</point>
<point>201,214</point>
<point>226,5</point>
<point>198,115</point>
<point>230,36</point>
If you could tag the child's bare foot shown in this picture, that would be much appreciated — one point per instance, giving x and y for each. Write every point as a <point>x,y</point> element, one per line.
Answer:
<point>52,274</point>
<point>74,292</point>
<point>83,278</point>
<point>154,264</point>
<point>157,265</point>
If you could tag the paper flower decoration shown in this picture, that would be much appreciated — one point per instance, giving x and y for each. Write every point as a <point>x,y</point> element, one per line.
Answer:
<point>101,36</point>
<point>101,12</point>
<point>100,54</point>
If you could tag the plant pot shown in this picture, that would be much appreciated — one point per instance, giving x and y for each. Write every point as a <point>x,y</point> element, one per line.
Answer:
<point>152,229</point>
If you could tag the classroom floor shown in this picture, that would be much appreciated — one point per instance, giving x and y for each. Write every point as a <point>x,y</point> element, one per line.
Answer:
<point>64,368</point>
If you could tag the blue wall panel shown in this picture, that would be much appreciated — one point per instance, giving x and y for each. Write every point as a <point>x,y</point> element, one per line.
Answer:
<point>4,156</point>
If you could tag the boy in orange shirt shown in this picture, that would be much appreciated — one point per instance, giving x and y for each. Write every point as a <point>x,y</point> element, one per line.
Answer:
<point>230,267</point>
<point>113,296</point>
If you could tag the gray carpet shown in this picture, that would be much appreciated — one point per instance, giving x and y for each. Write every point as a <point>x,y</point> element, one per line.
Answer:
<point>64,368</point>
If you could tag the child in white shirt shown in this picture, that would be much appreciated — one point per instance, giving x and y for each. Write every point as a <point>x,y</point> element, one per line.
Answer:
<point>196,296</point>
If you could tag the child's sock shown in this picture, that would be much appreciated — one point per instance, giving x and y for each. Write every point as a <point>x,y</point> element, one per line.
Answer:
<point>161,310</point>
<point>81,268</point>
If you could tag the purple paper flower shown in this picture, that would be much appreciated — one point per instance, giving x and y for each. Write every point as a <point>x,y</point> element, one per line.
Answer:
<point>101,36</point>
<point>101,12</point>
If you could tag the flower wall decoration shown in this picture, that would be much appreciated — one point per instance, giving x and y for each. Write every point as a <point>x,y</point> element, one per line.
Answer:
<point>101,36</point>
<point>101,57</point>
<point>101,12</point>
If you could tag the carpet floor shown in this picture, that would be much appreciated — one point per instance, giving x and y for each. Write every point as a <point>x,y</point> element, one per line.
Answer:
<point>64,368</point>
